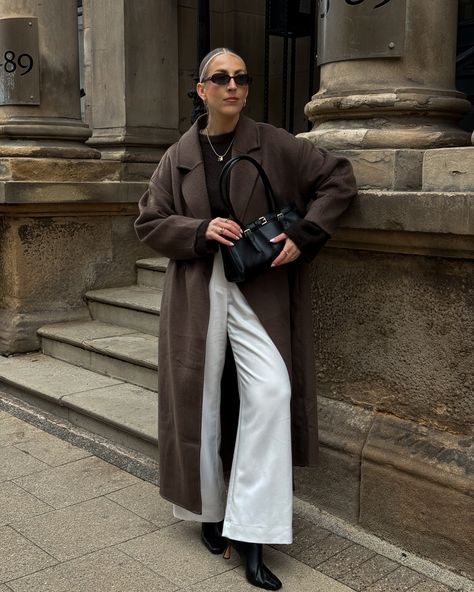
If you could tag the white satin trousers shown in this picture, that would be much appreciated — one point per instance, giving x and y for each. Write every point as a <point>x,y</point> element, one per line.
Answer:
<point>258,506</point>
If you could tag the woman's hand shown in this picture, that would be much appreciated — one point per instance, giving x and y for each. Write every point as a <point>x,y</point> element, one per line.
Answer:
<point>223,229</point>
<point>290,250</point>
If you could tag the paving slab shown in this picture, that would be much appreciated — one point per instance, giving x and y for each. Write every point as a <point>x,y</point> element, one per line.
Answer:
<point>86,527</point>
<point>51,450</point>
<point>108,570</point>
<point>144,499</point>
<point>323,550</point>
<point>4,415</point>
<point>125,405</point>
<point>16,503</point>
<point>297,576</point>
<point>369,572</point>
<point>305,534</point>
<point>13,431</point>
<point>399,580</point>
<point>16,463</point>
<point>76,482</point>
<point>347,559</point>
<point>176,553</point>
<point>430,586</point>
<point>229,581</point>
<point>128,539</point>
<point>19,556</point>
<point>51,378</point>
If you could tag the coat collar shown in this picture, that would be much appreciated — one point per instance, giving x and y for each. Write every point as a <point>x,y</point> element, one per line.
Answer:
<point>247,139</point>
<point>190,161</point>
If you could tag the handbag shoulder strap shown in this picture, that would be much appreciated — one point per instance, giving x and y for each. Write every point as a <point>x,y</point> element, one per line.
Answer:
<point>224,183</point>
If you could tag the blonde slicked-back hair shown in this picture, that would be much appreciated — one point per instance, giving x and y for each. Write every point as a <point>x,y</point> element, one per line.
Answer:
<point>204,66</point>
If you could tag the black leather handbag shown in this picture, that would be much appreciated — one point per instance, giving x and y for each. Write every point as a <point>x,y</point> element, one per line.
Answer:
<point>254,252</point>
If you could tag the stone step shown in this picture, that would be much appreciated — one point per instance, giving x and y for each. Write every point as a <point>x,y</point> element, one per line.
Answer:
<point>134,307</point>
<point>111,350</point>
<point>151,272</point>
<point>124,413</point>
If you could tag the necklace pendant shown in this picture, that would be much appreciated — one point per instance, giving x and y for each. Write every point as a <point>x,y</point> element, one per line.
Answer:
<point>220,158</point>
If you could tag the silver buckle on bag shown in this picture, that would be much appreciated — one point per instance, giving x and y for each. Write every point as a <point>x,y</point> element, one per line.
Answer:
<point>280,215</point>
<point>247,231</point>
<point>262,220</point>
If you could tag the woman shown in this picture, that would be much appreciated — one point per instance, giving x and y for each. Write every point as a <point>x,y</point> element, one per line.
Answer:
<point>265,324</point>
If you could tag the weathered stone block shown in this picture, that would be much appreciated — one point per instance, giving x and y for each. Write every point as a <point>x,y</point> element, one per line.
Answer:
<point>410,212</point>
<point>386,169</point>
<point>394,333</point>
<point>449,169</point>
<point>334,484</point>
<point>48,263</point>
<point>58,170</point>
<point>417,490</point>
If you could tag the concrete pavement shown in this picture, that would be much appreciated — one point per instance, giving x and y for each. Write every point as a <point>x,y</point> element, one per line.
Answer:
<point>71,522</point>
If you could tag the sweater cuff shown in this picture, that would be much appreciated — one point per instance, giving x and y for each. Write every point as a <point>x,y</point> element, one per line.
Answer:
<point>308,237</point>
<point>202,246</point>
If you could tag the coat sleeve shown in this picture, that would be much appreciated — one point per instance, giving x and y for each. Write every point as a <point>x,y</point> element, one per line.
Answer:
<point>162,228</point>
<point>329,186</point>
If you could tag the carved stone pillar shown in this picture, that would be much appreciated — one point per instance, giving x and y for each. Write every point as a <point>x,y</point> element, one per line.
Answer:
<point>39,39</point>
<point>135,78</point>
<point>380,101</point>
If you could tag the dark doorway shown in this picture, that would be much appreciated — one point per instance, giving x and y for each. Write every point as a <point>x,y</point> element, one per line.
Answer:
<point>465,58</point>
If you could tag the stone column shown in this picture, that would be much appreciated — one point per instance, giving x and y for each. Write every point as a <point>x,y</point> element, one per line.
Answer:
<point>135,78</point>
<point>52,126</point>
<point>406,102</point>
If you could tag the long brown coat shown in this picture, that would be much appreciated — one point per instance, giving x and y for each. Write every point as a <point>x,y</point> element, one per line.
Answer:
<point>171,212</point>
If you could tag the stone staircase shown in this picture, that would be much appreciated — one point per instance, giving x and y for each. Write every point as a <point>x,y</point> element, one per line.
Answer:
<point>100,374</point>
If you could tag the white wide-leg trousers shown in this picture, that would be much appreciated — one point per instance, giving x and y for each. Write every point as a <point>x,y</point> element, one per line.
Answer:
<point>259,504</point>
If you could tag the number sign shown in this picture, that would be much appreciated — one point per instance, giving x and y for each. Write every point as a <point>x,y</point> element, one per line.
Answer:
<point>19,61</point>
<point>357,29</point>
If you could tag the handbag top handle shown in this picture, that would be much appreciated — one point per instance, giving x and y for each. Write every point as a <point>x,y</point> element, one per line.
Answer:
<point>224,184</point>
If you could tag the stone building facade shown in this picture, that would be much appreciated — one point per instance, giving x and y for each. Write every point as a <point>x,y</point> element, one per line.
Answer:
<point>393,291</point>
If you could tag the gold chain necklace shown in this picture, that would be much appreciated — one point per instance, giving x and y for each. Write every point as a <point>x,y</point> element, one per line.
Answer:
<point>220,157</point>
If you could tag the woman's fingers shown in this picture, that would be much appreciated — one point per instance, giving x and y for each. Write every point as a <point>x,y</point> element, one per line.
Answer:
<point>290,252</point>
<point>278,238</point>
<point>223,231</point>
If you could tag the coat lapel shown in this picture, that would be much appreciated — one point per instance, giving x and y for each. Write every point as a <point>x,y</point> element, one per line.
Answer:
<point>243,177</point>
<point>189,161</point>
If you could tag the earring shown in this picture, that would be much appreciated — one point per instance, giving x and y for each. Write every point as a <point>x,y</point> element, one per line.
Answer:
<point>245,102</point>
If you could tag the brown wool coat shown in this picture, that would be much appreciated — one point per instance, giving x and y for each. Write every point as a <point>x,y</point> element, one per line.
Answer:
<point>171,212</point>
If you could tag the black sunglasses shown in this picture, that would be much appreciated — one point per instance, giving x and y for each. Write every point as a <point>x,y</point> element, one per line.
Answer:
<point>224,79</point>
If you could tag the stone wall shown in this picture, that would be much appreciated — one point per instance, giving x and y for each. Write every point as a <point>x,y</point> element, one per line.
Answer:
<point>394,333</point>
<point>51,256</point>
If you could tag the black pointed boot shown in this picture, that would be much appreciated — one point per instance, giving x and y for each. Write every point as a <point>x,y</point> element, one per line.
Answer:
<point>211,536</point>
<point>256,571</point>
